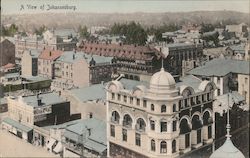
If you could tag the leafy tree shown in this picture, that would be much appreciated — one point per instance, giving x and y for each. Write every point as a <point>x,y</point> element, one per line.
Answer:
<point>207,28</point>
<point>10,31</point>
<point>83,31</point>
<point>134,32</point>
<point>40,30</point>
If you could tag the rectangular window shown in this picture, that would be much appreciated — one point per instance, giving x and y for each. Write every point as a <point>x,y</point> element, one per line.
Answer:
<point>174,125</point>
<point>218,92</point>
<point>112,130</point>
<point>119,97</point>
<point>187,140</point>
<point>137,139</point>
<point>163,126</point>
<point>131,100</point>
<point>144,103</point>
<point>246,80</point>
<point>124,135</point>
<point>138,102</point>
<point>113,96</point>
<point>152,125</point>
<point>209,132</point>
<point>198,136</point>
<point>125,99</point>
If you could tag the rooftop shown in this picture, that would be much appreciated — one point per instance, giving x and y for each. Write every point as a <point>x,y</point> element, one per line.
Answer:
<point>50,54</point>
<point>93,131</point>
<point>46,98</point>
<point>92,92</point>
<point>221,67</point>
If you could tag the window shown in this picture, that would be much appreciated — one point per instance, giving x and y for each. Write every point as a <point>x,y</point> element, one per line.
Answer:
<point>152,107</point>
<point>163,126</point>
<point>218,92</point>
<point>198,136</point>
<point>112,130</point>
<point>203,97</point>
<point>152,125</point>
<point>125,98</point>
<point>197,100</point>
<point>174,108</point>
<point>115,118</point>
<point>131,100</point>
<point>180,104</point>
<point>140,124</point>
<point>144,103</point>
<point>127,121</point>
<point>113,96</point>
<point>90,115</point>
<point>163,147</point>
<point>174,125</point>
<point>187,140</point>
<point>119,97</point>
<point>208,96</point>
<point>209,132</point>
<point>152,145</point>
<point>163,108</point>
<point>137,139</point>
<point>137,101</point>
<point>124,135</point>
<point>173,146</point>
<point>246,80</point>
<point>186,102</point>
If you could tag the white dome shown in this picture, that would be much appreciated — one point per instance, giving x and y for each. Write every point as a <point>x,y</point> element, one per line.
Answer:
<point>227,150</point>
<point>162,78</point>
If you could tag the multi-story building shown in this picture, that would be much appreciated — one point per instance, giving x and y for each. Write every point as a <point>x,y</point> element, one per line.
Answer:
<point>29,62</point>
<point>77,69</point>
<point>140,62</point>
<point>228,75</point>
<point>161,118</point>
<point>239,29</point>
<point>7,52</point>
<point>64,39</point>
<point>26,111</point>
<point>38,109</point>
<point>46,62</point>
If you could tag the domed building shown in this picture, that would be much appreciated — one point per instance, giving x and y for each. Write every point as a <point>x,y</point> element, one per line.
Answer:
<point>161,118</point>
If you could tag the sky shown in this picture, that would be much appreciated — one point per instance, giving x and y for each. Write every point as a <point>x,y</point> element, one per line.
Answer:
<point>123,6</point>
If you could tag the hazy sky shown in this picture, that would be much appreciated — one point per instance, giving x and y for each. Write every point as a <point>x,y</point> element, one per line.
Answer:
<point>123,6</point>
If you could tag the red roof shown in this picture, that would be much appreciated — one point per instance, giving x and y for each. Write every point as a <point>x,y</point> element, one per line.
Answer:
<point>120,51</point>
<point>50,54</point>
<point>8,66</point>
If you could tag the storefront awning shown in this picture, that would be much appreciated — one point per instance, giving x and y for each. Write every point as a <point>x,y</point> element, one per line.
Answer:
<point>51,143</point>
<point>58,147</point>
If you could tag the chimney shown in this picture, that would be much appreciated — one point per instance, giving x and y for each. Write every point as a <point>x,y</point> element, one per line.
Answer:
<point>39,100</point>
<point>89,131</point>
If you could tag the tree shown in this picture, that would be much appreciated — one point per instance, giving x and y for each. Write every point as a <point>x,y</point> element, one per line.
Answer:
<point>40,31</point>
<point>83,31</point>
<point>207,28</point>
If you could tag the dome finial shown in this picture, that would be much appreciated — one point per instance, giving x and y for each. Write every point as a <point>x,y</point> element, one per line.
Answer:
<point>162,62</point>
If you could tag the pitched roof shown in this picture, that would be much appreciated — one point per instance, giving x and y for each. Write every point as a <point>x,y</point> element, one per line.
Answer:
<point>50,54</point>
<point>222,67</point>
<point>120,51</point>
<point>8,66</point>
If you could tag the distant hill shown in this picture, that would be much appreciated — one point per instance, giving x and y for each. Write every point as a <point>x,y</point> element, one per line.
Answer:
<point>73,20</point>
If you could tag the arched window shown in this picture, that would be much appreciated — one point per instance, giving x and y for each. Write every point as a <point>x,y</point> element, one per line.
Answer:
<point>174,108</point>
<point>127,121</point>
<point>173,146</point>
<point>163,108</point>
<point>140,124</point>
<point>152,107</point>
<point>152,145</point>
<point>115,117</point>
<point>184,126</point>
<point>163,147</point>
